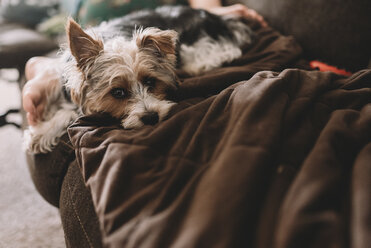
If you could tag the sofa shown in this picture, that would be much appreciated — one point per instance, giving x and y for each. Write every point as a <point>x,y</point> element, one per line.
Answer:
<point>265,152</point>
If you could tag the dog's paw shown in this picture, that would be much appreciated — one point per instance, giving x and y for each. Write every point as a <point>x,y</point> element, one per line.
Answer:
<point>36,143</point>
<point>43,137</point>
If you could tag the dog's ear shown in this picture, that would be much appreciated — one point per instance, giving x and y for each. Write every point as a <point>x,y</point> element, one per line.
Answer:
<point>162,41</point>
<point>83,47</point>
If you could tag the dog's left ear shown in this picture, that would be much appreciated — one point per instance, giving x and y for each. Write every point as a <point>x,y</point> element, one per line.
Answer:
<point>163,41</point>
<point>83,47</point>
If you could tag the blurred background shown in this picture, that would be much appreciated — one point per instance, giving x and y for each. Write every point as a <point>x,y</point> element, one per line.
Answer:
<point>26,219</point>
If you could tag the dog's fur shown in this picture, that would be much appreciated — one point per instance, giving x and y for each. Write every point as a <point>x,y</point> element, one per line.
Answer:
<point>128,67</point>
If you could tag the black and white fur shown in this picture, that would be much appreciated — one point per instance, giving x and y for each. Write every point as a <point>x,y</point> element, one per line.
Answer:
<point>206,41</point>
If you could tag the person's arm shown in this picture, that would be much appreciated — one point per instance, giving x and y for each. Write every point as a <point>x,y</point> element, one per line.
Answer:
<point>215,6</point>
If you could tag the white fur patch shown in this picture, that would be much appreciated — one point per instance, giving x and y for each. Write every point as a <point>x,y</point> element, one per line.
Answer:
<point>207,54</point>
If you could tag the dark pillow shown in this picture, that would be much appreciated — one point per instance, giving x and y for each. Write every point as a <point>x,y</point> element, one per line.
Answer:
<point>337,32</point>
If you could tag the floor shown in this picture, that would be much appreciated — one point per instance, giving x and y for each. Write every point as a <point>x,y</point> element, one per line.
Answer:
<point>26,219</point>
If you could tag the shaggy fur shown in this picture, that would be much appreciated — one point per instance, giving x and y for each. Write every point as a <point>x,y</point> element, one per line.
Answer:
<point>128,67</point>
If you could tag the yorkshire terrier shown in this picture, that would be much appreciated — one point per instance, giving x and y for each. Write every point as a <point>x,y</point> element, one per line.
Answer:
<point>129,66</point>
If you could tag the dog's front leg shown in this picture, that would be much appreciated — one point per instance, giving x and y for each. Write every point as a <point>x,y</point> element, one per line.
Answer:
<point>43,137</point>
<point>58,114</point>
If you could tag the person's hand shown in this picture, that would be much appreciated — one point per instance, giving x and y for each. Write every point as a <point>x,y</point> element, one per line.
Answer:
<point>239,10</point>
<point>42,76</point>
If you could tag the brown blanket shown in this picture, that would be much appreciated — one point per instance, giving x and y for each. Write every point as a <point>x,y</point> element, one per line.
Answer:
<point>278,160</point>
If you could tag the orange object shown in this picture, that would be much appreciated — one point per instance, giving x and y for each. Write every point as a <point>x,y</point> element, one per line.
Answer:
<point>315,64</point>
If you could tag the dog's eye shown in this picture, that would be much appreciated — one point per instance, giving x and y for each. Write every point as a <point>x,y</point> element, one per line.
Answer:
<point>149,81</point>
<point>118,93</point>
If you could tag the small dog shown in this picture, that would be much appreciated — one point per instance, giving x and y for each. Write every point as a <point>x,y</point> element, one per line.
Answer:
<point>128,67</point>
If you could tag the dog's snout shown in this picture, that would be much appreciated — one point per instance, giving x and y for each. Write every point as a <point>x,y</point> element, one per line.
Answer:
<point>150,118</point>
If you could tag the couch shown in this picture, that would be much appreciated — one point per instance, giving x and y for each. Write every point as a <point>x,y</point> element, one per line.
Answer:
<point>266,152</point>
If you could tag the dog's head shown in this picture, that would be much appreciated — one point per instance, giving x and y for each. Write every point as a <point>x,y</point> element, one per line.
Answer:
<point>129,79</point>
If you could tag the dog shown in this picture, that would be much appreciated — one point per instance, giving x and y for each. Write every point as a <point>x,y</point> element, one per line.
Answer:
<point>128,67</point>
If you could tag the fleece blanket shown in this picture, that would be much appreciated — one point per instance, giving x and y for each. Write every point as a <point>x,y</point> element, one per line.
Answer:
<point>254,155</point>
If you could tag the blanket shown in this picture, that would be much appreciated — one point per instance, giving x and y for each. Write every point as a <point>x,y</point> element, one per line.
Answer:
<point>253,155</point>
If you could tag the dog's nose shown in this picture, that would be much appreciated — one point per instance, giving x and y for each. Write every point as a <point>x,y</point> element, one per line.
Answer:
<point>150,118</point>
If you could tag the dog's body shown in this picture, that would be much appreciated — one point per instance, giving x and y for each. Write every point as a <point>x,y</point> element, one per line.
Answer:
<point>130,67</point>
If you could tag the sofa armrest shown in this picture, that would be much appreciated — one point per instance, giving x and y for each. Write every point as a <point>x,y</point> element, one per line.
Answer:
<point>48,170</point>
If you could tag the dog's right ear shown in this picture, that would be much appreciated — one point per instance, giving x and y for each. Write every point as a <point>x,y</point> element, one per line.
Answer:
<point>83,47</point>
<point>162,41</point>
